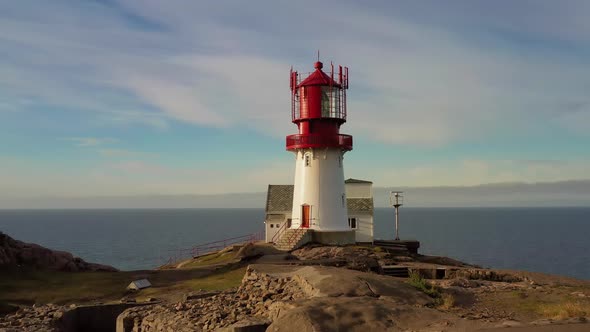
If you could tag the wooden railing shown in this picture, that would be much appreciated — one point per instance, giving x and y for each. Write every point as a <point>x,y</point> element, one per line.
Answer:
<point>177,255</point>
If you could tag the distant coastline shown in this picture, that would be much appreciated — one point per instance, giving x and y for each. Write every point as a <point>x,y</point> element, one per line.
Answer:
<point>574,193</point>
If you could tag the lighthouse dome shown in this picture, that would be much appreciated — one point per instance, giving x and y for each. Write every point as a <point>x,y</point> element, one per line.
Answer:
<point>318,77</point>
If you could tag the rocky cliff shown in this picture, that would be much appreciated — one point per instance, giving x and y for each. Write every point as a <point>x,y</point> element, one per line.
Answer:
<point>14,253</point>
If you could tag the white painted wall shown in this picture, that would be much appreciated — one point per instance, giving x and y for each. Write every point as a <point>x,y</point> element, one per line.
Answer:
<point>273,223</point>
<point>320,185</point>
<point>364,231</point>
<point>359,190</point>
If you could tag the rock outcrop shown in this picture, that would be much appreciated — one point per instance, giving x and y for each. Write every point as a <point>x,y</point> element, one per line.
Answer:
<point>14,253</point>
<point>272,294</point>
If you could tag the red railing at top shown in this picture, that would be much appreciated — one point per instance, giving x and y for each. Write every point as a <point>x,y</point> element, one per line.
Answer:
<point>299,141</point>
<point>207,248</point>
<point>336,104</point>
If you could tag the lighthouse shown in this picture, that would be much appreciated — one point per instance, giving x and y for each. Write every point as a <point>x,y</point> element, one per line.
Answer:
<point>318,108</point>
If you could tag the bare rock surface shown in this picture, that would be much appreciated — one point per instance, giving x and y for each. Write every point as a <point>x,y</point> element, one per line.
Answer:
<point>268,292</point>
<point>277,296</point>
<point>354,314</point>
<point>35,318</point>
<point>14,253</point>
<point>320,281</point>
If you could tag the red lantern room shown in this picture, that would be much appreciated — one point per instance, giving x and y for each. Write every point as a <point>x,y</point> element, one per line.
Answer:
<point>318,107</point>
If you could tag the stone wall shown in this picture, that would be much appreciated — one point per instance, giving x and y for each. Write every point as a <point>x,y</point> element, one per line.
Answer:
<point>254,303</point>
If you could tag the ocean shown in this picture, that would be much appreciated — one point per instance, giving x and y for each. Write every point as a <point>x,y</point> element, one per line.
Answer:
<point>550,240</point>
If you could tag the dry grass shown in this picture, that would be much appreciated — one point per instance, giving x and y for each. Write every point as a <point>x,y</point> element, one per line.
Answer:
<point>563,310</point>
<point>211,259</point>
<point>448,301</point>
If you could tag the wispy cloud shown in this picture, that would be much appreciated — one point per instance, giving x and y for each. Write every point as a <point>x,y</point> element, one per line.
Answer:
<point>424,77</point>
<point>417,80</point>
<point>123,153</point>
<point>90,141</point>
<point>470,172</point>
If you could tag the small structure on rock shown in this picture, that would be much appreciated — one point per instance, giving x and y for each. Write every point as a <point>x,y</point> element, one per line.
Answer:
<point>139,284</point>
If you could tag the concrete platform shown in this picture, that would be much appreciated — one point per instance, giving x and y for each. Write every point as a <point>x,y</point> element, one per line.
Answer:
<point>410,245</point>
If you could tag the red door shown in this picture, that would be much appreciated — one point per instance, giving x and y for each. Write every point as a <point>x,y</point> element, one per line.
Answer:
<point>305,216</point>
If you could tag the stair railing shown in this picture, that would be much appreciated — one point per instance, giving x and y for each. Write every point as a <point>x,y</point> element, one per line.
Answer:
<point>278,234</point>
<point>295,237</point>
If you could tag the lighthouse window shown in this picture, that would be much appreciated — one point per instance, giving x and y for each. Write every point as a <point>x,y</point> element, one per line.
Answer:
<point>307,160</point>
<point>352,223</point>
<point>325,101</point>
<point>343,200</point>
<point>330,102</point>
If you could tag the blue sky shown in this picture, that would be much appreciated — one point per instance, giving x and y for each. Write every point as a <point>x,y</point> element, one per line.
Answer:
<point>126,97</point>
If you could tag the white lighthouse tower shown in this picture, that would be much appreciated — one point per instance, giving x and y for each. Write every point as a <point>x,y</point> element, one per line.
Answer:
<point>318,107</point>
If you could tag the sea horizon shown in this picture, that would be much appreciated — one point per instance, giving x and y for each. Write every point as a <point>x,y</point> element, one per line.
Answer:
<point>548,240</point>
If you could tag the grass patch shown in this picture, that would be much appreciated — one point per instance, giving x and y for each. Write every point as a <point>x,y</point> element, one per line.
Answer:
<point>29,287</point>
<point>211,259</point>
<point>218,281</point>
<point>563,310</point>
<point>221,280</point>
<point>418,282</point>
<point>447,301</point>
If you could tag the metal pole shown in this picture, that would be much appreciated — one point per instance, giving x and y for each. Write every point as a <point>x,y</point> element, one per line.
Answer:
<point>397,222</point>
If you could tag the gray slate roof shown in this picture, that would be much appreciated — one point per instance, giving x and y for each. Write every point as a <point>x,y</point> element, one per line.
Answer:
<point>279,198</point>
<point>359,204</point>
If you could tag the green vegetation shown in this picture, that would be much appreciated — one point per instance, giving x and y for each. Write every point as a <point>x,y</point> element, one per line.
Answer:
<point>28,287</point>
<point>211,259</point>
<point>421,284</point>
<point>220,280</point>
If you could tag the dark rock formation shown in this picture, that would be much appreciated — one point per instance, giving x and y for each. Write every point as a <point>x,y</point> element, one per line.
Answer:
<point>14,253</point>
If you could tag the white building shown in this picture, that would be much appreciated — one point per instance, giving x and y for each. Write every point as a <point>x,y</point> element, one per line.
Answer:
<point>359,203</point>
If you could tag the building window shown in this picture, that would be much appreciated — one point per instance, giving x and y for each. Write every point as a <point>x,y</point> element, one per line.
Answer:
<point>352,223</point>
<point>289,223</point>
<point>307,159</point>
<point>272,225</point>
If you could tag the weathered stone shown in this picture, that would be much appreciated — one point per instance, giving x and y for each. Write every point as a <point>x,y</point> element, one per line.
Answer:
<point>14,253</point>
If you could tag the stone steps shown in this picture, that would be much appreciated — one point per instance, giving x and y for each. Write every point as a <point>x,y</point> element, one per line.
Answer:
<point>396,271</point>
<point>292,239</point>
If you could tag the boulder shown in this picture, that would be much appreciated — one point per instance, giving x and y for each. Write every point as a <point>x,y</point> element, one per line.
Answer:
<point>14,253</point>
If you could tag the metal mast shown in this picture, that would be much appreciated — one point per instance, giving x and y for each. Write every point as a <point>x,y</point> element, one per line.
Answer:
<point>396,199</point>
